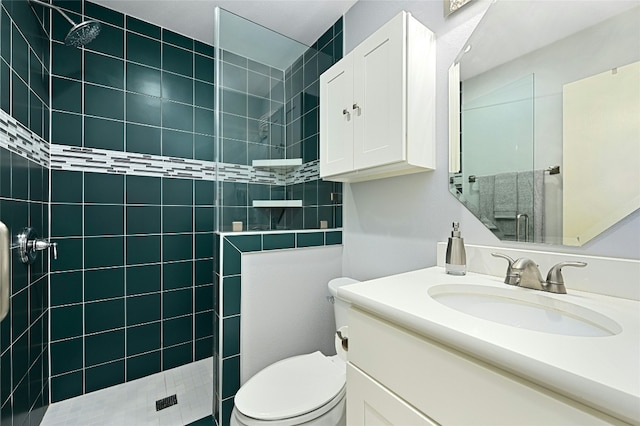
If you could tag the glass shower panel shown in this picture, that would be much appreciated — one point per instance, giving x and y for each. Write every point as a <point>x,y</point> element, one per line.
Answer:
<point>253,62</point>
<point>262,110</point>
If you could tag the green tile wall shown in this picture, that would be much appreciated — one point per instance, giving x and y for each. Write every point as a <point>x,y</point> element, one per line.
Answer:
<point>24,77</point>
<point>137,288</point>
<point>23,333</point>
<point>132,292</point>
<point>302,131</point>
<point>24,53</point>
<point>136,88</point>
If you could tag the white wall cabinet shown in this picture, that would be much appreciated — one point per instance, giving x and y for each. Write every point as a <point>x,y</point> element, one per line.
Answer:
<point>395,375</point>
<point>377,106</point>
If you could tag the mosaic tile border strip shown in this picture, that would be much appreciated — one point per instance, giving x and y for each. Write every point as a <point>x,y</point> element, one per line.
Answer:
<point>17,138</point>
<point>74,158</point>
<point>306,173</point>
<point>247,174</point>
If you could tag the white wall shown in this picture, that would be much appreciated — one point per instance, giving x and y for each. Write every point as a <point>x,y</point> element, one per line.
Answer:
<point>274,328</point>
<point>392,225</point>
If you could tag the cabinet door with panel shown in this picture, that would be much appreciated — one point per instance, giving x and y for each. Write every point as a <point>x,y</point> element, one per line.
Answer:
<point>377,106</point>
<point>378,97</point>
<point>371,404</point>
<point>443,384</point>
<point>336,123</point>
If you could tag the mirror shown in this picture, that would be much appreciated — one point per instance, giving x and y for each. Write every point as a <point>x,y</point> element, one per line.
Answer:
<point>544,119</point>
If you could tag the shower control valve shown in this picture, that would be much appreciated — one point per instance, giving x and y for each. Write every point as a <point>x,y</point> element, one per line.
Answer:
<point>29,245</point>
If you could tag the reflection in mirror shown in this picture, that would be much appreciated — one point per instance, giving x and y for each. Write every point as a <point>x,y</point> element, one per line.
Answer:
<point>545,119</point>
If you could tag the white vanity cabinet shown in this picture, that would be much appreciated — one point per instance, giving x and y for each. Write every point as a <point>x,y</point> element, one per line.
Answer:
<point>370,403</point>
<point>397,377</point>
<point>377,106</point>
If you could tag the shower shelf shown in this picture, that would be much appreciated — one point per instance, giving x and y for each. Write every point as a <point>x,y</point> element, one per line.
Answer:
<point>283,164</point>
<point>277,203</point>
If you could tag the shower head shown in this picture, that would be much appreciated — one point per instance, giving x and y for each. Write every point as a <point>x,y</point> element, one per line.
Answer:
<point>79,34</point>
<point>82,33</point>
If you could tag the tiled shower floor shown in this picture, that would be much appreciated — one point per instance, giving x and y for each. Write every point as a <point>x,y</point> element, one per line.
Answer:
<point>134,403</point>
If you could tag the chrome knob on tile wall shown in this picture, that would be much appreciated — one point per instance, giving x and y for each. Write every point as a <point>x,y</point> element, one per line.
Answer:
<point>29,245</point>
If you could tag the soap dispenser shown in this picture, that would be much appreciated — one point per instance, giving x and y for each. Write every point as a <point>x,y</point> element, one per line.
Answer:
<point>456,257</point>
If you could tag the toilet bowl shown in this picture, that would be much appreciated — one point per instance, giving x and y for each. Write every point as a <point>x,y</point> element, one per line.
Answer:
<point>306,389</point>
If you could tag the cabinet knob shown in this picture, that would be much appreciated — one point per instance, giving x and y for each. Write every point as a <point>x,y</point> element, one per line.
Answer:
<point>356,107</point>
<point>346,113</point>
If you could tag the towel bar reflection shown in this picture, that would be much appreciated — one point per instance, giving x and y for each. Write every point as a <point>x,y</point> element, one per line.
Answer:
<point>553,170</point>
<point>526,226</point>
<point>5,272</point>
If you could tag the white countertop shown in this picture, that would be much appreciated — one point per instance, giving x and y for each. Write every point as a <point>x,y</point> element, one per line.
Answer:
<point>602,372</point>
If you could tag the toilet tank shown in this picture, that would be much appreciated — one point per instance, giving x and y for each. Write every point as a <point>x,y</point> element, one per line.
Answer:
<point>340,306</point>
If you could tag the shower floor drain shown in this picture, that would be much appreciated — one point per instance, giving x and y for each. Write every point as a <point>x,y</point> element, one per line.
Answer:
<point>167,402</point>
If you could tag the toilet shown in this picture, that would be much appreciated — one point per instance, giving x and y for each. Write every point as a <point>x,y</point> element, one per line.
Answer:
<point>306,389</point>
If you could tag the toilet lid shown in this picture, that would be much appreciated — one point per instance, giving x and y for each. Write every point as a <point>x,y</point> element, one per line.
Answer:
<point>291,387</point>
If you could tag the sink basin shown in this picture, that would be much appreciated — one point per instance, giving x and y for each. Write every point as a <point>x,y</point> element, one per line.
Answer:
<point>524,309</point>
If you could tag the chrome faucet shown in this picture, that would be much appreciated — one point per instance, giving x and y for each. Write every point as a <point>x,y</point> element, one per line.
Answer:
<point>525,273</point>
<point>555,280</point>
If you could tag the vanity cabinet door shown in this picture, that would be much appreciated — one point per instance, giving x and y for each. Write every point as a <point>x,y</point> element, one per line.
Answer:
<point>370,404</point>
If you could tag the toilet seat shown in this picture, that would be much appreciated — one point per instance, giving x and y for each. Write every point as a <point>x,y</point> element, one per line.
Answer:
<point>332,414</point>
<point>293,387</point>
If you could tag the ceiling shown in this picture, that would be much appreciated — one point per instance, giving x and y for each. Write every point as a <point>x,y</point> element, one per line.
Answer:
<point>301,20</point>
<point>512,24</point>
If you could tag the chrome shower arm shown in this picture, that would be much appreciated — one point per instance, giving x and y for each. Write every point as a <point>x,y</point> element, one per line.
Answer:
<point>56,8</point>
<point>80,34</point>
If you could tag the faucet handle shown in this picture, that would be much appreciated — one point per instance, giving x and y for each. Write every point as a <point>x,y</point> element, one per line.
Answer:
<point>511,278</point>
<point>42,244</point>
<point>555,279</point>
